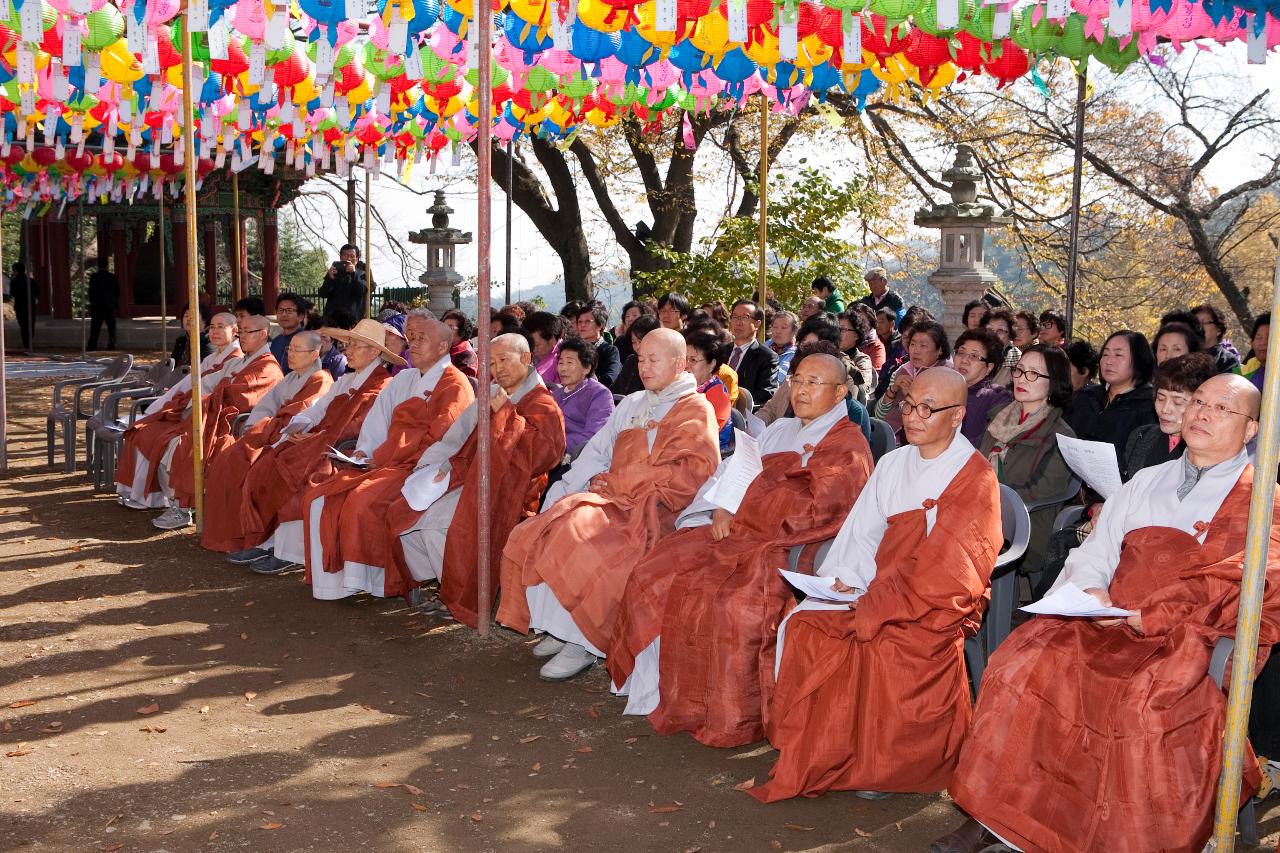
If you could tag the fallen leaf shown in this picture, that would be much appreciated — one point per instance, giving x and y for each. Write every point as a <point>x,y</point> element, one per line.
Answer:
<point>584,749</point>
<point>18,753</point>
<point>632,740</point>
<point>412,790</point>
<point>898,825</point>
<point>244,636</point>
<point>248,604</point>
<point>386,784</point>
<point>149,709</point>
<point>23,703</point>
<point>530,738</point>
<point>477,817</point>
<point>861,833</point>
<point>593,713</point>
<point>418,807</point>
<point>53,728</point>
<point>248,695</point>
<point>664,809</point>
<point>213,835</point>
<point>798,827</point>
<point>537,765</point>
<point>7,728</point>
<point>271,827</point>
<point>111,848</point>
<point>775,844</point>
<point>112,820</point>
<point>745,786</point>
<point>140,627</point>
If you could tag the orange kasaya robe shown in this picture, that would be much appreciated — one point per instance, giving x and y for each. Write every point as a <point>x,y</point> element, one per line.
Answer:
<point>1091,737</point>
<point>225,476</point>
<point>528,441</point>
<point>585,546</point>
<point>151,434</point>
<point>232,396</point>
<point>877,698</point>
<point>717,605</point>
<point>353,524</point>
<point>277,480</point>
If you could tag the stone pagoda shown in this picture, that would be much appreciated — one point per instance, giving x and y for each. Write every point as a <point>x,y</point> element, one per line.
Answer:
<point>440,239</point>
<point>962,275</point>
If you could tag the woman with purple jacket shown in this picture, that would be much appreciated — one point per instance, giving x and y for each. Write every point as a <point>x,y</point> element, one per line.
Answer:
<point>585,403</point>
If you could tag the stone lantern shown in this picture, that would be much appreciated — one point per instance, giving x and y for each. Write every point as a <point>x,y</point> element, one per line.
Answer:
<point>441,240</point>
<point>962,275</point>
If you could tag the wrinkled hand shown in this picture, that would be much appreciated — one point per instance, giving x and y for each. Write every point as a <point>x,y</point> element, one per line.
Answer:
<point>721,522</point>
<point>902,385</point>
<point>599,483</point>
<point>349,267</point>
<point>1104,598</point>
<point>441,475</point>
<point>331,273</point>
<point>840,586</point>
<point>498,399</point>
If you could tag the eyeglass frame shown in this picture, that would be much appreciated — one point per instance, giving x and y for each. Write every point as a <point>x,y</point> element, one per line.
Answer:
<point>1024,373</point>
<point>1215,409</point>
<point>904,406</point>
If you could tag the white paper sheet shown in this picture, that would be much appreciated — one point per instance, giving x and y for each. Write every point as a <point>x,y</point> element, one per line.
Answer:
<point>819,588</point>
<point>335,453</point>
<point>1094,462</point>
<point>1071,600</point>
<point>421,489</point>
<point>743,467</point>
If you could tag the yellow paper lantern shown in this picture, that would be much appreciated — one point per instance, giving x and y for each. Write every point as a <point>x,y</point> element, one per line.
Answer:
<point>647,13</point>
<point>711,35</point>
<point>601,17</point>
<point>764,51</point>
<point>536,12</point>
<point>119,65</point>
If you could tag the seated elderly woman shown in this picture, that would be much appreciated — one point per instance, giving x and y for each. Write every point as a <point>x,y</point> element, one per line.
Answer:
<point>927,347</point>
<point>461,355</point>
<point>1175,339</point>
<point>1175,381</point>
<point>585,403</point>
<point>1021,441</point>
<point>705,354</point>
<point>546,330</point>
<point>978,355</point>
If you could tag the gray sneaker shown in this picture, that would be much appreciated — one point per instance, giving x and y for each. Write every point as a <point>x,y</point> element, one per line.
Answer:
<point>174,518</point>
<point>247,556</point>
<point>569,662</point>
<point>272,565</point>
<point>549,647</point>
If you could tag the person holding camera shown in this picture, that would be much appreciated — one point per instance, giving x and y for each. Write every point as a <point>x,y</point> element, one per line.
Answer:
<point>344,284</point>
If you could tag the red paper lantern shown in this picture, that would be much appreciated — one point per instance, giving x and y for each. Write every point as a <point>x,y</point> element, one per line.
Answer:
<point>236,62</point>
<point>972,53</point>
<point>1011,64</point>
<point>78,162</point>
<point>882,41</point>
<point>15,155</point>
<point>759,12</point>
<point>169,57</point>
<point>110,162</point>
<point>44,156</point>
<point>926,53</point>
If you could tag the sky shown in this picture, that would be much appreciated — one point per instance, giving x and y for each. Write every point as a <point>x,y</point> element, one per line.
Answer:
<point>536,265</point>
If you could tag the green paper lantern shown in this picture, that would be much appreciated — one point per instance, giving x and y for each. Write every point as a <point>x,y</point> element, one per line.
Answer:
<point>897,11</point>
<point>1110,54</point>
<point>1074,44</point>
<point>199,43</point>
<point>926,18</point>
<point>1036,38</point>
<point>106,26</point>
<point>981,24</point>
<point>497,76</point>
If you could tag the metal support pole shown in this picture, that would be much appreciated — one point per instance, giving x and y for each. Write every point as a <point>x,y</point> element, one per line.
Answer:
<point>351,210</point>
<point>763,280</point>
<point>1245,656</point>
<point>368,251</point>
<point>193,283</point>
<point>239,287</point>
<point>4,400</point>
<point>511,172</point>
<point>484,235</point>
<point>1077,170</point>
<point>84,286</point>
<point>164,286</point>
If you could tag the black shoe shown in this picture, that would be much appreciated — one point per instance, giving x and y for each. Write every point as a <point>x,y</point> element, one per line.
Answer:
<point>248,555</point>
<point>436,608</point>
<point>972,837</point>
<point>272,565</point>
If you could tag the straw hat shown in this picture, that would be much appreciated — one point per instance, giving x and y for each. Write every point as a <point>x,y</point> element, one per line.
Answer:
<point>366,332</point>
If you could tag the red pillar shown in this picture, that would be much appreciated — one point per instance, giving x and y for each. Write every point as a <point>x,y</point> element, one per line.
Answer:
<point>123,268</point>
<point>59,269</point>
<point>211,262</point>
<point>175,270</point>
<point>270,260</point>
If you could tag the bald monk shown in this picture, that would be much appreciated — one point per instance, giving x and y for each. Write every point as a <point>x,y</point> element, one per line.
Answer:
<point>872,695</point>
<point>1124,754</point>
<point>147,440</point>
<point>564,571</point>
<point>271,500</point>
<point>528,440</point>
<point>226,471</point>
<point>242,384</point>
<point>694,645</point>
<point>345,516</point>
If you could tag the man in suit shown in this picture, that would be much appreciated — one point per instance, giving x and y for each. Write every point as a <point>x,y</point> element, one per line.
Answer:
<point>590,323</point>
<point>756,365</point>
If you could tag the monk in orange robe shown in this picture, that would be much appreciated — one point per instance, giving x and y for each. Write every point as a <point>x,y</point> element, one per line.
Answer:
<point>712,593</point>
<point>225,474</point>
<point>147,441</point>
<point>872,694</point>
<point>343,515</point>
<point>564,571</point>
<point>1124,753</point>
<point>439,541</point>
<point>271,506</point>
<point>237,392</point>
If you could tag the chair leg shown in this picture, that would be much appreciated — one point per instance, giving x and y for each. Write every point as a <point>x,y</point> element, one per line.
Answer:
<point>1247,823</point>
<point>975,657</point>
<point>69,439</point>
<point>1000,617</point>
<point>49,445</point>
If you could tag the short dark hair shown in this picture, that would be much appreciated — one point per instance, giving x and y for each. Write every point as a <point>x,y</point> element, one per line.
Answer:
<point>300,303</point>
<point>1185,373</point>
<point>998,314</point>
<point>1033,324</point>
<point>338,318</point>
<point>251,304</point>
<point>1195,342</point>
<point>1140,354</point>
<point>1058,367</point>
<point>990,344</point>
<point>599,314</point>
<point>868,313</point>
<point>466,329</point>
<point>823,283</point>
<point>1187,317</point>
<point>859,324</point>
<point>1219,319</point>
<point>550,326</point>
<point>939,335</point>
<point>915,314</point>
<point>643,325</point>
<point>969,306</point>
<point>716,310</point>
<point>887,313</point>
<point>1263,319</point>
<point>642,305</point>
<point>757,313</point>
<point>676,301</point>
<point>709,343</point>
<point>824,325</point>
<point>1085,358</point>
<point>821,348</point>
<point>586,352</point>
<point>571,309</point>
<point>352,246</point>
<point>202,309</point>
<point>1053,318</point>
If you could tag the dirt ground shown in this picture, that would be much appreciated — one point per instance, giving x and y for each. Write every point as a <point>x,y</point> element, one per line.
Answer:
<point>156,698</point>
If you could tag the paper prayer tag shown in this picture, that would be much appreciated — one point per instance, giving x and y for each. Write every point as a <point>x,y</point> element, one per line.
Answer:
<point>738,21</point>
<point>257,63</point>
<point>1002,23</point>
<point>151,57</point>
<point>852,44</point>
<point>26,64</point>
<point>135,34</point>
<point>948,14</point>
<point>1256,39</point>
<point>32,20</point>
<point>219,34</point>
<point>665,16</point>
<point>413,62</point>
<point>277,30</point>
<point>397,34</point>
<point>355,10</point>
<point>1120,19</point>
<point>198,15</point>
<point>1058,9</point>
